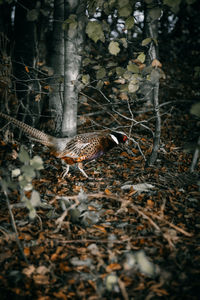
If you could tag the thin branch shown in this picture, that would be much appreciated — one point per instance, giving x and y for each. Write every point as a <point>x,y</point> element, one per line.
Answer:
<point>195,156</point>
<point>14,225</point>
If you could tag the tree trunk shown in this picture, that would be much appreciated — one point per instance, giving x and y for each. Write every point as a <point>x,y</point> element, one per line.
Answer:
<point>27,84</point>
<point>73,45</point>
<point>57,64</point>
<point>151,30</point>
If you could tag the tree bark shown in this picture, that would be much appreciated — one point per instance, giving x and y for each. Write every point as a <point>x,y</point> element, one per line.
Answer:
<point>73,45</point>
<point>151,30</point>
<point>57,64</point>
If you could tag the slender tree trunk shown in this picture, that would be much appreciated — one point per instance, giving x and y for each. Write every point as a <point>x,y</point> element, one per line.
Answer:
<point>57,64</point>
<point>151,30</point>
<point>73,45</point>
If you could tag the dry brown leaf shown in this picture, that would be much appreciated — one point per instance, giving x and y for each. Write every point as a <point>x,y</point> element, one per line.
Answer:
<point>156,63</point>
<point>27,251</point>
<point>113,267</point>
<point>107,192</point>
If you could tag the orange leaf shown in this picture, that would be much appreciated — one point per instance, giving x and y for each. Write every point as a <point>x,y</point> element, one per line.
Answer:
<point>143,139</point>
<point>27,251</point>
<point>150,203</point>
<point>142,66</point>
<point>156,63</point>
<point>134,150</point>
<point>54,256</point>
<point>113,267</point>
<point>100,228</point>
<point>60,295</point>
<point>107,192</point>
<point>46,87</point>
<point>26,68</point>
<point>65,267</point>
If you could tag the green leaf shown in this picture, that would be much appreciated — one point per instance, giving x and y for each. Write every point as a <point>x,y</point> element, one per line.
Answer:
<point>23,155</point>
<point>111,64</point>
<point>146,41</point>
<point>70,23</point>
<point>35,199</point>
<point>111,282</point>
<point>99,85</point>
<point>195,109</point>
<point>197,72</point>
<point>28,172</point>
<point>125,11</point>
<point>155,13</point>
<point>101,73</point>
<point>95,32</point>
<point>120,71</point>
<point>122,3</point>
<point>124,42</point>
<point>37,163</point>
<point>86,62</point>
<point>173,4</point>
<point>114,48</point>
<point>86,79</point>
<point>16,172</point>
<point>141,57</point>
<point>129,23</point>
<point>133,86</point>
<point>127,75</point>
<point>133,68</point>
<point>124,88</point>
<point>32,15</point>
<point>32,214</point>
<point>24,184</point>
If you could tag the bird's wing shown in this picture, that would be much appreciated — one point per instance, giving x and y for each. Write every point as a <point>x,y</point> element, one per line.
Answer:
<point>73,149</point>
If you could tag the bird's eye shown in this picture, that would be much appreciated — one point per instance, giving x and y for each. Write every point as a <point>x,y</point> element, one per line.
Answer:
<point>124,138</point>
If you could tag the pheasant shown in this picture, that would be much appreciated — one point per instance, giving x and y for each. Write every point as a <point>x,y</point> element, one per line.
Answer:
<point>80,148</point>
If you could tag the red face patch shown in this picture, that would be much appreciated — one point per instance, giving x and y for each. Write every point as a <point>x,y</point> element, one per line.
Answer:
<point>124,138</point>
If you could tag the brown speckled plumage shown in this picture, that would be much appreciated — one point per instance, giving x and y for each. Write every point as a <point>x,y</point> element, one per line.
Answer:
<point>82,147</point>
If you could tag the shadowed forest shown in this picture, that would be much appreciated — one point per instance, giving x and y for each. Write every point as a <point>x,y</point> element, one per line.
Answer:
<point>127,227</point>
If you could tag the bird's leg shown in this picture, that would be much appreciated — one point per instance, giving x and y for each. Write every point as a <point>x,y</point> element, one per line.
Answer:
<point>65,172</point>
<point>80,166</point>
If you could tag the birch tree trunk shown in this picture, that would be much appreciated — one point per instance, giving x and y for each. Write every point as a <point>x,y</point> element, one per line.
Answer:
<point>57,64</point>
<point>73,45</point>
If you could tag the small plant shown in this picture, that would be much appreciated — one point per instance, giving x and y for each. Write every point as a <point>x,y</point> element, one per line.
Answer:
<point>25,176</point>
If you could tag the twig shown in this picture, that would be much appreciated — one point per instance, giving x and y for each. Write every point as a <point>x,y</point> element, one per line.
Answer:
<point>60,220</point>
<point>83,94</point>
<point>195,156</point>
<point>13,224</point>
<point>145,217</point>
<point>123,289</point>
<point>173,226</point>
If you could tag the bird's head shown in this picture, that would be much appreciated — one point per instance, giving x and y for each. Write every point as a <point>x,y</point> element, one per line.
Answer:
<point>119,137</point>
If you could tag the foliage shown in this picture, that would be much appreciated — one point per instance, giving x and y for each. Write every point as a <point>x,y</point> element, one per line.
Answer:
<point>25,176</point>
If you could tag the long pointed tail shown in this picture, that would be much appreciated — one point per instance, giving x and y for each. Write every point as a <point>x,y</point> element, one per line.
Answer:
<point>36,134</point>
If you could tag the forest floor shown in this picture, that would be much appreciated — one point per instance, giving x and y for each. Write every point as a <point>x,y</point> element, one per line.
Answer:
<point>128,232</point>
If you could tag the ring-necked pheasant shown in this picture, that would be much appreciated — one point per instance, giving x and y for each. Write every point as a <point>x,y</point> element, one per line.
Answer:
<point>82,147</point>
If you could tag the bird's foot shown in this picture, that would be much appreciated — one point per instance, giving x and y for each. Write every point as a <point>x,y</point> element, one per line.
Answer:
<point>65,171</point>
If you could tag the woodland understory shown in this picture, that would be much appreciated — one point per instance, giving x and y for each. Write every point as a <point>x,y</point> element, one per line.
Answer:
<point>128,232</point>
